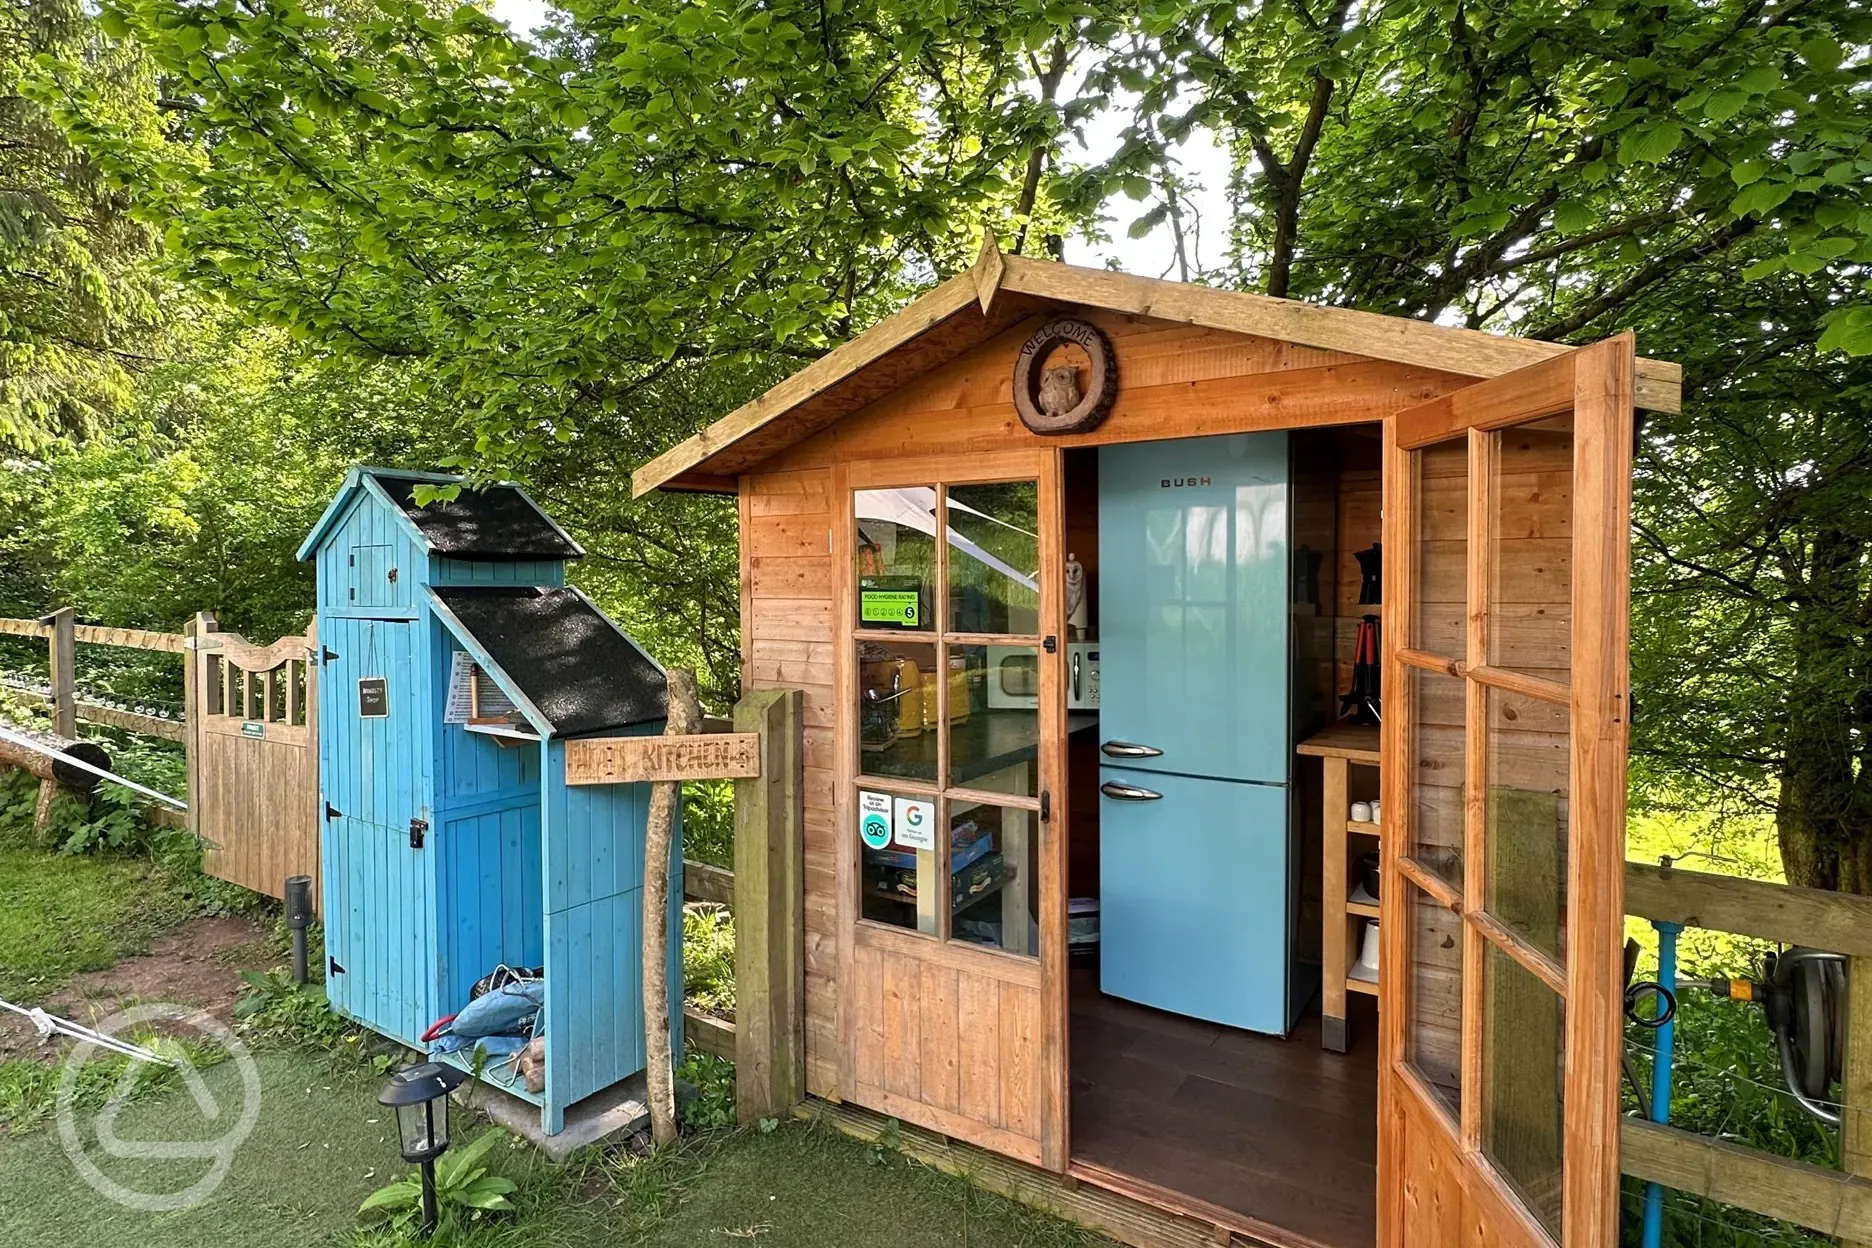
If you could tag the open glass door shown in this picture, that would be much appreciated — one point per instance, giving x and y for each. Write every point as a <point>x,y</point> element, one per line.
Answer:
<point>950,792</point>
<point>1506,513</point>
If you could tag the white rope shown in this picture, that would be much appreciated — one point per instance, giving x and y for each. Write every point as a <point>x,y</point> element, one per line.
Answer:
<point>48,1024</point>
<point>81,765</point>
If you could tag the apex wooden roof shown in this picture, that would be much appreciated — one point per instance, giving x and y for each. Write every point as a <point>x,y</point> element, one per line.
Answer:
<point>1001,290</point>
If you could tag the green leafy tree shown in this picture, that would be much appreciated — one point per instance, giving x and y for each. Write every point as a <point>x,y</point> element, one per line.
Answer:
<point>1752,577</point>
<point>78,305</point>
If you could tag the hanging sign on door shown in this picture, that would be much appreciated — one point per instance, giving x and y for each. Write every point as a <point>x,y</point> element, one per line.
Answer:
<point>914,823</point>
<point>874,819</point>
<point>373,697</point>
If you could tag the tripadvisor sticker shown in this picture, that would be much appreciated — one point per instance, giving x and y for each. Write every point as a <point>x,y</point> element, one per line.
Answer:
<point>874,819</point>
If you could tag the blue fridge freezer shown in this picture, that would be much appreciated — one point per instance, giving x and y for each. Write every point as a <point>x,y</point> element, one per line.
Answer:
<point>1196,855</point>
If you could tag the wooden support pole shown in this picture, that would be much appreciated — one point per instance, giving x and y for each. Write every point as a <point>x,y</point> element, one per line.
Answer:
<point>770,912</point>
<point>1335,956</point>
<point>63,647</point>
<point>685,716</point>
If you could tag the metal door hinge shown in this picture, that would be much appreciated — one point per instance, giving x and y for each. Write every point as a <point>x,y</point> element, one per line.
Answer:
<point>332,967</point>
<point>1050,645</point>
<point>328,654</point>
<point>1046,806</point>
<point>352,593</point>
<point>417,828</point>
<point>332,812</point>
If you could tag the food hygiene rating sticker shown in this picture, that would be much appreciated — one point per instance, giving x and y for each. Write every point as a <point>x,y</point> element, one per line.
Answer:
<point>874,819</point>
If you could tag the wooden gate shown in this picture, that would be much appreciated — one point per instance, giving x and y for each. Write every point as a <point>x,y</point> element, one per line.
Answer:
<point>253,757</point>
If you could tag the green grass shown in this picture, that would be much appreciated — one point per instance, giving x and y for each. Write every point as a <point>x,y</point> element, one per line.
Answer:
<point>807,1187</point>
<point>322,1145</point>
<point>63,915</point>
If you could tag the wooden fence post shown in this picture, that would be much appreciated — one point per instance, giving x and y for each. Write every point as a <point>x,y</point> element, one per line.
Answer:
<point>769,912</point>
<point>1856,1077</point>
<point>63,646</point>
<point>201,626</point>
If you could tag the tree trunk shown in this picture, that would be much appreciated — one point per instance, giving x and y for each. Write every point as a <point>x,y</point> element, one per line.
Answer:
<point>685,716</point>
<point>1823,817</point>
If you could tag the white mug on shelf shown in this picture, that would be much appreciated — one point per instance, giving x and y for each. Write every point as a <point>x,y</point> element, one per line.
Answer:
<point>1376,815</point>
<point>1361,812</point>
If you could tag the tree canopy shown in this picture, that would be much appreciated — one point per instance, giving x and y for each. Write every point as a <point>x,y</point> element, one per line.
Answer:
<point>406,234</point>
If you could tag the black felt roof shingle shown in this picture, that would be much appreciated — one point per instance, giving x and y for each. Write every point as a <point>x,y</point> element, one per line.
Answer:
<point>498,522</point>
<point>566,657</point>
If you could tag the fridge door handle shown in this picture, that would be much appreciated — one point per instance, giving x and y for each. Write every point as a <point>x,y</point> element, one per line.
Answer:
<point>1127,749</point>
<point>1129,792</point>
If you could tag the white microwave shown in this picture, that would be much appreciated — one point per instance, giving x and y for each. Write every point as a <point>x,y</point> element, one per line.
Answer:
<point>1014,677</point>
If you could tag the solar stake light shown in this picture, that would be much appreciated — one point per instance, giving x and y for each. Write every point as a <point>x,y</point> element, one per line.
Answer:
<point>298,918</point>
<point>419,1095</point>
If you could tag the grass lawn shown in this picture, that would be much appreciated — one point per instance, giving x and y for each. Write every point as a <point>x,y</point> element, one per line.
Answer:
<point>322,1144</point>
<point>61,916</point>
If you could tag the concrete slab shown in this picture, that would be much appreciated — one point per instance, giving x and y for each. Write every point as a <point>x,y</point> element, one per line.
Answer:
<point>618,1112</point>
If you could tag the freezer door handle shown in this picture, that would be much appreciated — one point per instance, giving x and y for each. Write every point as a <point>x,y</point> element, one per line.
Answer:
<point>1126,749</point>
<point>1129,792</point>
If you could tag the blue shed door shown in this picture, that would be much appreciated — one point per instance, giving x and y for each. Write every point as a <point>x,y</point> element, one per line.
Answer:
<point>371,576</point>
<point>379,926</point>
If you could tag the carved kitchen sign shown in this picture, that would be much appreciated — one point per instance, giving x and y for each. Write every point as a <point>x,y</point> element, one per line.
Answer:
<point>627,760</point>
<point>1052,400</point>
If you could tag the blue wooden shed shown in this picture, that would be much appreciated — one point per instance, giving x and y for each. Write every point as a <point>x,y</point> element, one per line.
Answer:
<point>456,664</point>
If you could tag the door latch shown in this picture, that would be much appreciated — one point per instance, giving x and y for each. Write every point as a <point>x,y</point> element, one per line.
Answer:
<point>418,828</point>
<point>392,576</point>
<point>1050,645</point>
<point>1046,806</point>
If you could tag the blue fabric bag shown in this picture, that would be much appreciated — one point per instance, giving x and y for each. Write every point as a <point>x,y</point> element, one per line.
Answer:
<point>507,1010</point>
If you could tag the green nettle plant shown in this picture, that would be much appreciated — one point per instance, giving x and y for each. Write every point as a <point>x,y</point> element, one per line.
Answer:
<point>465,1190</point>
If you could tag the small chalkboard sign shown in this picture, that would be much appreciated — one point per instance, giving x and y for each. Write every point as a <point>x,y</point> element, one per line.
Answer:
<point>373,697</point>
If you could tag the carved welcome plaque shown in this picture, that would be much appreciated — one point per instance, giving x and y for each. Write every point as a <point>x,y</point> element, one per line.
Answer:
<point>628,760</point>
<point>1053,400</point>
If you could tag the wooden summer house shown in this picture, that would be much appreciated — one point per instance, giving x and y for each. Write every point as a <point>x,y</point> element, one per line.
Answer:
<point>1157,643</point>
<point>455,665</point>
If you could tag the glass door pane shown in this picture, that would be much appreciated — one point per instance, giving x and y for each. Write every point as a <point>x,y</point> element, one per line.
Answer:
<point>994,558</point>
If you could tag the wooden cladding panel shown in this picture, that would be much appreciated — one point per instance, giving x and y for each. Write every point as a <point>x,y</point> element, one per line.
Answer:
<point>947,1047</point>
<point>787,644</point>
<point>1173,381</point>
<point>1446,1202</point>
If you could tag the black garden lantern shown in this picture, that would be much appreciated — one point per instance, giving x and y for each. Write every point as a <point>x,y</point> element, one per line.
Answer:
<point>420,1096</point>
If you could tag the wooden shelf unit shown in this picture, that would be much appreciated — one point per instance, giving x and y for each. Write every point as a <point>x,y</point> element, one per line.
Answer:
<point>1340,748</point>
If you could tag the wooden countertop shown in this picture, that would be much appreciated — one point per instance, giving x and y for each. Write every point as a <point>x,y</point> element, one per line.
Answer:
<point>1357,743</point>
<point>986,742</point>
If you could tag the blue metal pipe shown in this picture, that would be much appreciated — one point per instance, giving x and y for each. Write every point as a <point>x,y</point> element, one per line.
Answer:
<point>1661,1073</point>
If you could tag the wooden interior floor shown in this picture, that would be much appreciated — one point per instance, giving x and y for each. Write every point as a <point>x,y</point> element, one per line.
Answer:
<point>1279,1130</point>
